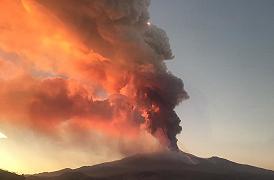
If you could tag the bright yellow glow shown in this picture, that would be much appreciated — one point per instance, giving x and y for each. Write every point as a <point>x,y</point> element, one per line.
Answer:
<point>46,154</point>
<point>3,136</point>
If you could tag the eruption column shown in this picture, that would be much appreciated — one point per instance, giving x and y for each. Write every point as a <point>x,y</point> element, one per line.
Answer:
<point>100,61</point>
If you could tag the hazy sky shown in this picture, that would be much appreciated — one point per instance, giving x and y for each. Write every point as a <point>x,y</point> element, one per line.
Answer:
<point>225,55</point>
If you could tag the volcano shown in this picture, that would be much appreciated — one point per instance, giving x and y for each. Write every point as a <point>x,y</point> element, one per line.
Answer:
<point>161,166</point>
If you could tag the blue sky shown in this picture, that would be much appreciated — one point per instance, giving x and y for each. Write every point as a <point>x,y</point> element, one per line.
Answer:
<point>224,52</point>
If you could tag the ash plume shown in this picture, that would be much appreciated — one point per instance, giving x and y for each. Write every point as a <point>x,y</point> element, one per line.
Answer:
<point>95,61</point>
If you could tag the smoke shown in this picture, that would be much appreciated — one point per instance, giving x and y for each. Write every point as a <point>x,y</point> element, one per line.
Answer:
<point>96,64</point>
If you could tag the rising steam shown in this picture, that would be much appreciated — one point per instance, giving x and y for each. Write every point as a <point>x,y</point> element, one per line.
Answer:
<point>97,63</point>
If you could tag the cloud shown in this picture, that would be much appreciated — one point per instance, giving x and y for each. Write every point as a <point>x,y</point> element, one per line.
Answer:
<point>92,66</point>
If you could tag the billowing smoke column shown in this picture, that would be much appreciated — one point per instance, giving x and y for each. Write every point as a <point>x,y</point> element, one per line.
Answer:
<point>112,73</point>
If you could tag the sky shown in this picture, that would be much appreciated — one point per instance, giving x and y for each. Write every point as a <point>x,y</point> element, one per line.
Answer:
<point>224,52</point>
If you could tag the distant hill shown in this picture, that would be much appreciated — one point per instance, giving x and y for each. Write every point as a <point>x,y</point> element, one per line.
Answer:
<point>4,175</point>
<point>162,166</point>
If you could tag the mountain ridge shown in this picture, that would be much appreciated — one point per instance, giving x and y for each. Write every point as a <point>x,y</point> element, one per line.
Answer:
<point>164,165</point>
<point>6,175</point>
